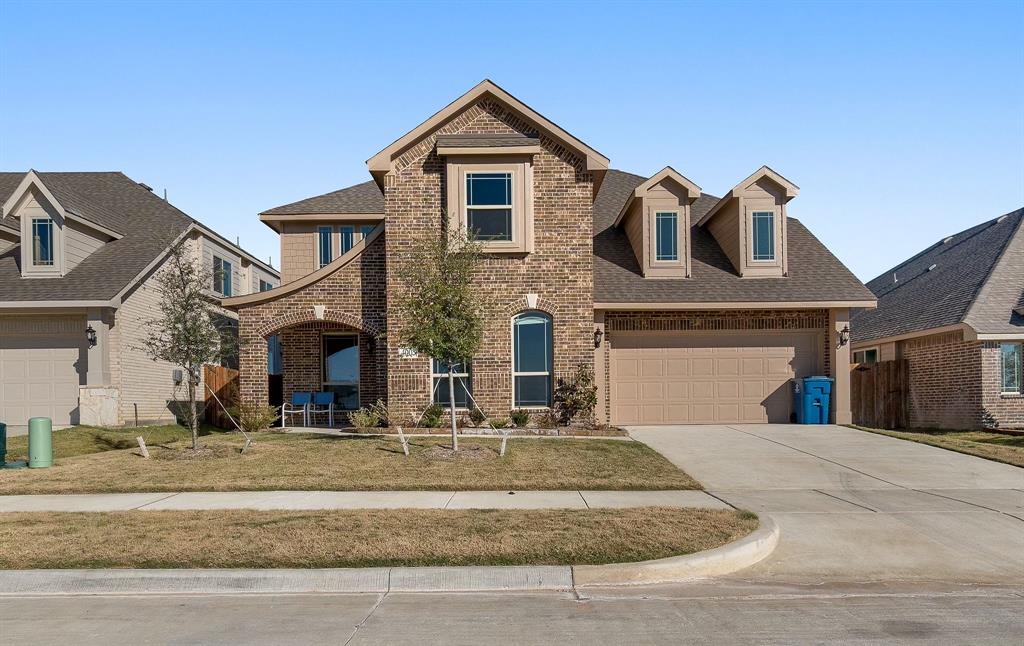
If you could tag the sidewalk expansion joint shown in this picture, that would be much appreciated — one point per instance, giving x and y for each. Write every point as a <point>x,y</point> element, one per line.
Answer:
<point>587,504</point>
<point>153,502</point>
<point>856,504</point>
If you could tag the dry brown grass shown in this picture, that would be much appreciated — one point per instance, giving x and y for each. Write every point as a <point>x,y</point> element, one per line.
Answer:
<point>1000,447</point>
<point>347,463</point>
<point>262,539</point>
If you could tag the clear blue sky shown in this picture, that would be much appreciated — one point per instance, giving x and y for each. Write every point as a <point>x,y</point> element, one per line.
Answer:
<point>901,122</point>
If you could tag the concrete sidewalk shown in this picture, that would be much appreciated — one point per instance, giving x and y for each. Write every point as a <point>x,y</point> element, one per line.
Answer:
<point>310,500</point>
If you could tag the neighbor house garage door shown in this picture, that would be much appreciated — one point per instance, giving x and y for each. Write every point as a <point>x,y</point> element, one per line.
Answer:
<point>39,360</point>
<point>659,378</point>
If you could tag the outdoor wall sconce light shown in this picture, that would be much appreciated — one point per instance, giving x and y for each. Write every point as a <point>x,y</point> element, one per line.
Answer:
<point>598,335</point>
<point>844,336</point>
<point>90,334</point>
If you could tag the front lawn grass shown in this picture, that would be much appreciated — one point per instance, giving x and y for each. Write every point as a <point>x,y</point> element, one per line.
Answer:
<point>83,440</point>
<point>365,538</point>
<point>999,447</point>
<point>355,463</point>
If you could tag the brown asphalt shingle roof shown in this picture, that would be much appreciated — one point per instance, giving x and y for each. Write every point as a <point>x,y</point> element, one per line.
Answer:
<point>814,273</point>
<point>114,201</point>
<point>940,286</point>
<point>361,198</point>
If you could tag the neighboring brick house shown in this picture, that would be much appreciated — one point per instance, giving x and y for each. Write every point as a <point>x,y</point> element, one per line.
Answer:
<point>689,308</point>
<point>955,312</point>
<point>78,258</point>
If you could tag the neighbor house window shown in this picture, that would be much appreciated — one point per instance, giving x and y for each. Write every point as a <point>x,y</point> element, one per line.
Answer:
<point>366,229</point>
<point>531,358</point>
<point>489,206</point>
<point>326,253</point>
<point>265,286</point>
<point>463,383</point>
<point>221,276</point>
<point>866,356</point>
<point>666,230</point>
<point>348,235</point>
<point>1012,362</point>
<point>764,235</point>
<point>42,242</point>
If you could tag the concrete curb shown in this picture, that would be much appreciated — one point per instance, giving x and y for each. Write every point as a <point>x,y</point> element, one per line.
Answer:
<point>721,560</point>
<point>714,562</point>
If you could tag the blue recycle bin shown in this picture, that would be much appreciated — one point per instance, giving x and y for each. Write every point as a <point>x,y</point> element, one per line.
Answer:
<point>811,399</point>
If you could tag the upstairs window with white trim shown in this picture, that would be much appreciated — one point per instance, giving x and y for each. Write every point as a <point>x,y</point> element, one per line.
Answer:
<point>221,276</point>
<point>763,226</point>
<point>348,238</point>
<point>324,248</point>
<point>532,360</point>
<point>666,234</point>
<point>42,242</point>
<point>1012,364</point>
<point>489,206</point>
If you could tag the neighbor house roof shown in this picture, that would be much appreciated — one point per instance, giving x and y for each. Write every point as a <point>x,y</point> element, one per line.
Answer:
<point>145,223</point>
<point>973,277</point>
<point>815,275</point>
<point>361,198</point>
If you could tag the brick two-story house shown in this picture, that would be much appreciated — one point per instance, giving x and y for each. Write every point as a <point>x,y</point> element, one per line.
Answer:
<point>690,308</point>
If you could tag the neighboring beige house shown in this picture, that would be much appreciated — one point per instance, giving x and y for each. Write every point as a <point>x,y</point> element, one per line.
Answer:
<point>955,312</point>
<point>78,255</point>
<point>690,308</point>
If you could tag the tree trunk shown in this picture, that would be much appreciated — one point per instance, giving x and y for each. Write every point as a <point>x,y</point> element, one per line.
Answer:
<point>193,417</point>
<point>451,402</point>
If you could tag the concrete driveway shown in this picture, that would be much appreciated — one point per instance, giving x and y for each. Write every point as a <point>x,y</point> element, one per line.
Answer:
<point>855,506</point>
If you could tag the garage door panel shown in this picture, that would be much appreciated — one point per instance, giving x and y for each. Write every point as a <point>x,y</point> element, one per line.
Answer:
<point>39,368</point>
<point>722,378</point>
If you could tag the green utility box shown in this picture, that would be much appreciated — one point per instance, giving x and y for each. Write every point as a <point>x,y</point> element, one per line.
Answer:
<point>40,443</point>
<point>3,444</point>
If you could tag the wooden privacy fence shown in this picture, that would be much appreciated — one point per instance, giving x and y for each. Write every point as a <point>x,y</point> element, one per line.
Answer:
<point>878,394</point>
<point>224,382</point>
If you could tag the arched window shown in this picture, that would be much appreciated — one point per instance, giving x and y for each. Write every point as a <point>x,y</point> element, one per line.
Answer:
<point>531,360</point>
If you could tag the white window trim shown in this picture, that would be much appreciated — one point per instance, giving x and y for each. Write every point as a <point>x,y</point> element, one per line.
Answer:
<point>753,236</point>
<point>671,261</point>
<point>457,375</point>
<point>551,349</point>
<point>319,245</point>
<point>1020,371</point>
<point>53,241</point>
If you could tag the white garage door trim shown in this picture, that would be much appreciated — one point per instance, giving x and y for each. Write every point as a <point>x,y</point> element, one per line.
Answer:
<point>671,391</point>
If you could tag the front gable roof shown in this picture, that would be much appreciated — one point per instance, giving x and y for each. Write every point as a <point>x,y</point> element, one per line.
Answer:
<point>381,163</point>
<point>65,195</point>
<point>790,190</point>
<point>692,190</point>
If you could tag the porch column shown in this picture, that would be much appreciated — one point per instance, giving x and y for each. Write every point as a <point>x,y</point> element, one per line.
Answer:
<point>98,400</point>
<point>839,357</point>
<point>252,363</point>
<point>98,354</point>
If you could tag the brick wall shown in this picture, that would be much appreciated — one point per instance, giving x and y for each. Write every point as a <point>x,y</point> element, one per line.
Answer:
<point>355,301</point>
<point>711,321</point>
<point>1007,410</point>
<point>945,381</point>
<point>559,271</point>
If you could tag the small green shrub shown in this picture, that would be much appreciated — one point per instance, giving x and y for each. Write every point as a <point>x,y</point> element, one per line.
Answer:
<point>364,418</point>
<point>253,417</point>
<point>432,416</point>
<point>578,397</point>
<point>519,417</point>
<point>499,423</point>
<point>476,416</point>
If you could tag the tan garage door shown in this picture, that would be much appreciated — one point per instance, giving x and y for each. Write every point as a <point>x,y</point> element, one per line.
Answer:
<point>659,378</point>
<point>39,369</point>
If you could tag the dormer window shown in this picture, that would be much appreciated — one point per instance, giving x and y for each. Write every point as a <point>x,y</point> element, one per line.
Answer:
<point>763,229</point>
<point>667,235</point>
<point>489,206</point>
<point>42,242</point>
